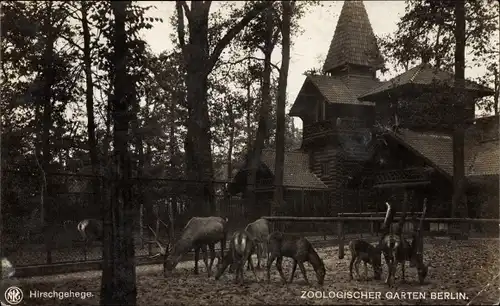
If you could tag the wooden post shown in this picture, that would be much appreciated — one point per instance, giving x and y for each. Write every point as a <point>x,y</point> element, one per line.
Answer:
<point>372,226</point>
<point>340,232</point>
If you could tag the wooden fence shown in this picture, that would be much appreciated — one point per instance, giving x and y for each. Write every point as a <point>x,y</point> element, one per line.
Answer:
<point>341,221</point>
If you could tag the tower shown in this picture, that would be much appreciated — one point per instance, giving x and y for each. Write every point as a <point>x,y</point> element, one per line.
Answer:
<point>336,125</point>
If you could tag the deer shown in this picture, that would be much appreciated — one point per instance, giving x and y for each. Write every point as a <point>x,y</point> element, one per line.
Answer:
<point>8,269</point>
<point>299,249</point>
<point>90,230</point>
<point>364,251</point>
<point>397,250</point>
<point>241,248</point>
<point>259,232</point>
<point>198,233</point>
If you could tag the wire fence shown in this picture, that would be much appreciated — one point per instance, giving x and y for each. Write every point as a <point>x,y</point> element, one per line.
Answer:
<point>40,230</point>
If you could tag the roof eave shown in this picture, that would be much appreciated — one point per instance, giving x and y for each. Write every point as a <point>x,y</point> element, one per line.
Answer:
<point>416,152</point>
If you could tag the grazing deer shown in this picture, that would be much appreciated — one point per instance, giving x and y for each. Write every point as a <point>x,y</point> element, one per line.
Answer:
<point>90,231</point>
<point>197,234</point>
<point>364,251</point>
<point>241,247</point>
<point>397,250</point>
<point>299,249</point>
<point>259,232</point>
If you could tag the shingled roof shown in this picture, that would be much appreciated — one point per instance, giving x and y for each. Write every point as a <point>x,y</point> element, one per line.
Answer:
<point>481,158</point>
<point>296,170</point>
<point>353,41</point>
<point>335,90</point>
<point>423,74</point>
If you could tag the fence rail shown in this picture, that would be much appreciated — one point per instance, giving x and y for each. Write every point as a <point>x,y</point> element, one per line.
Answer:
<point>341,220</point>
<point>368,219</point>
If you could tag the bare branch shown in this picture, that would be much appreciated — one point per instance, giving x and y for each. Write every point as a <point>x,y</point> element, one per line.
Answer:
<point>222,44</point>
<point>248,58</point>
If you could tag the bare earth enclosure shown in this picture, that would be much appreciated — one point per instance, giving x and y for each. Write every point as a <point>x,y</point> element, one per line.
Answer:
<point>467,267</point>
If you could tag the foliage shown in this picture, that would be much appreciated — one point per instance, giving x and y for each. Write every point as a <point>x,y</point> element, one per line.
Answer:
<point>426,32</point>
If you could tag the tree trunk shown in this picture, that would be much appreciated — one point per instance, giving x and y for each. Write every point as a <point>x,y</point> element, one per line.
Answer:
<point>199,64</point>
<point>460,102</point>
<point>89,96</point>
<point>497,92</point>
<point>46,99</point>
<point>263,129</point>
<point>281,104</point>
<point>197,147</point>
<point>118,276</point>
<point>230,151</point>
<point>249,115</point>
<point>139,162</point>
<point>180,97</point>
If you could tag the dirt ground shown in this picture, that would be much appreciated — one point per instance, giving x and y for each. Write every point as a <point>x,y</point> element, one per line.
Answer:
<point>461,269</point>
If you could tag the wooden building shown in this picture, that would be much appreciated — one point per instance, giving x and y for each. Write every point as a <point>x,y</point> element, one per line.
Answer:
<point>366,139</point>
<point>304,192</point>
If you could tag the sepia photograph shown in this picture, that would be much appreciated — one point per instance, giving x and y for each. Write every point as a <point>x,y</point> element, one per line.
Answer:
<point>250,152</point>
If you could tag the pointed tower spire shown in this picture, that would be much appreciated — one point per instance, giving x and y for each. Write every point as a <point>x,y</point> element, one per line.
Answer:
<point>353,43</point>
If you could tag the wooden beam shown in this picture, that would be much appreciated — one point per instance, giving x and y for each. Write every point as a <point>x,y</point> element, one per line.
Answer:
<point>368,219</point>
<point>376,213</point>
<point>401,184</point>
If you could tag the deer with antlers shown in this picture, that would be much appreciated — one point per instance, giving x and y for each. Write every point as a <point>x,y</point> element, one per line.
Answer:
<point>198,233</point>
<point>397,250</point>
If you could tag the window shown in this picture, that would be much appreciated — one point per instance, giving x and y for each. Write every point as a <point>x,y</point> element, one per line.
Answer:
<point>324,169</point>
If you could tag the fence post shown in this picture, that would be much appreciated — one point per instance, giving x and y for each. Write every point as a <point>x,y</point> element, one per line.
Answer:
<point>372,226</point>
<point>340,231</point>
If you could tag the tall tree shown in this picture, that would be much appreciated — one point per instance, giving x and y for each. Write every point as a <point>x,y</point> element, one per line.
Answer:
<point>280,108</point>
<point>269,41</point>
<point>199,63</point>
<point>459,105</point>
<point>89,102</point>
<point>118,277</point>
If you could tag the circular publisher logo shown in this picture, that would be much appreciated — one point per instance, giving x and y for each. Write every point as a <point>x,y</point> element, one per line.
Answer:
<point>13,295</point>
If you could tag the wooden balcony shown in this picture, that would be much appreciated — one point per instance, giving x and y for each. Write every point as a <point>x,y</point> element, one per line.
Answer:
<point>402,177</point>
<point>345,126</point>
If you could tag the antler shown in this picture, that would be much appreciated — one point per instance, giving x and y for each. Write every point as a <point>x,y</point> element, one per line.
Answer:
<point>388,220</point>
<point>403,214</point>
<point>163,250</point>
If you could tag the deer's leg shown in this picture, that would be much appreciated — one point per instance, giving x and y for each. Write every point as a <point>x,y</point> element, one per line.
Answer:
<point>259,254</point>
<point>249,262</point>
<point>253,270</point>
<point>403,263</point>
<point>223,246</point>
<point>196,258</point>
<point>388,263</point>
<point>212,255</point>
<point>356,266</point>
<point>366,270</point>
<point>279,266</point>
<point>205,259</point>
<point>237,268</point>
<point>294,268</point>
<point>226,261</point>
<point>303,270</point>
<point>272,258</point>
<point>353,259</point>
<point>241,269</point>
